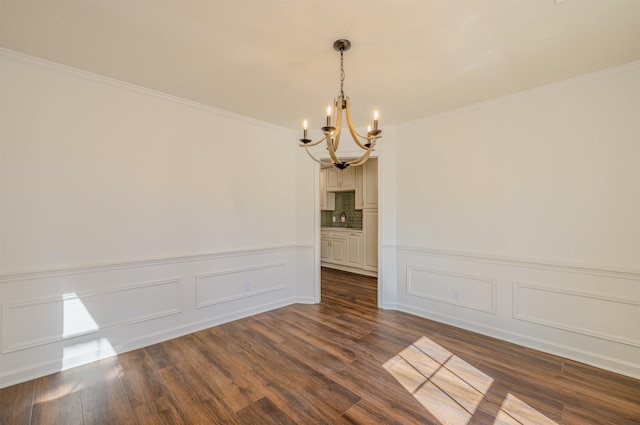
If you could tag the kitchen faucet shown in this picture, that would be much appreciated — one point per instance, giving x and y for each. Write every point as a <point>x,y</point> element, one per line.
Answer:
<point>343,219</point>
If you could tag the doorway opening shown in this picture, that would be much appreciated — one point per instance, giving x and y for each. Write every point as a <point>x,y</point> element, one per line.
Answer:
<point>349,220</point>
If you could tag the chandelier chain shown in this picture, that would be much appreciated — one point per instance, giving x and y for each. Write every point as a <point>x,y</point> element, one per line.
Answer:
<point>342,72</point>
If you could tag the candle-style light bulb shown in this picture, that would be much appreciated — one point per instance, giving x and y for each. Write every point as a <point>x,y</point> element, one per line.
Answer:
<point>375,120</point>
<point>304,126</point>
<point>368,129</point>
<point>328,116</point>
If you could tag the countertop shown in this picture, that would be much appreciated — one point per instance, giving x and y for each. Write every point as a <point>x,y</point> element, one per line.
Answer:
<point>343,229</point>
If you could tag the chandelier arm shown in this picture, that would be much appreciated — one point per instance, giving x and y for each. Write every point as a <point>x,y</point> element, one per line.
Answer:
<point>317,142</point>
<point>316,159</point>
<point>363,158</point>
<point>336,137</point>
<point>354,133</point>
<point>338,120</point>
<point>332,151</point>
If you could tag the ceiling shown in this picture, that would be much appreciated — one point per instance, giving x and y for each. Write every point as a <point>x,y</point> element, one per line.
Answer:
<point>273,60</point>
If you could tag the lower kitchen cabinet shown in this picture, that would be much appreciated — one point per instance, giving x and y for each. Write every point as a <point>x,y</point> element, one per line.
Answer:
<point>342,248</point>
<point>333,247</point>
<point>370,243</point>
<point>354,253</point>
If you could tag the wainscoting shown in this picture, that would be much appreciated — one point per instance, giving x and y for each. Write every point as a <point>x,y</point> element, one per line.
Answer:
<point>56,319</point>
<point>589,314</point>
<point>341,362</point>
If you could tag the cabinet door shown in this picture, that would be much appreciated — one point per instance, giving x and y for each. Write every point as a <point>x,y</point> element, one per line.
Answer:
<point>370,184</point>
<point>359,188</point>
<point>370,228</point>
<point>327,199</point>
<point>333,179</point>
<point>354,258</point>
<point>338,251</point>
<point>341,180</point>
<point>348,179</point>
<point>323,189</point>
<point>324,249</point>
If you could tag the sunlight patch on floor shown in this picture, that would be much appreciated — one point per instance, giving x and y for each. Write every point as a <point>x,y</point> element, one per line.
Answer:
<point>516,411</point>
<point>86,352</point>
<point>450,388</point>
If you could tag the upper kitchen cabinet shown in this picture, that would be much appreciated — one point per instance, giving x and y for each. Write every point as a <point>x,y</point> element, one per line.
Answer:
<point>370,184</point>
<point>367,185</point>
<point>327,199</point>
<point>341,180</point>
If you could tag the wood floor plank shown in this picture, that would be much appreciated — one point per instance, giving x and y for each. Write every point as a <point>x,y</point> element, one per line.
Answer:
<point>16,402</point>
<point>294,399</point>
<point>57,399</point>
<point>264,412</point>
<point>343,361</point>
<point>373,412</point>
<point>104,400</point>
<point>141,381</point>
<point>384,392</point>
<point>302,371</point>
<point>189,389</point>
<point>161,411</point>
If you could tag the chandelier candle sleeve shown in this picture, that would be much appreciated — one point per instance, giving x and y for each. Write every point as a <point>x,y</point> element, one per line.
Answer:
<point>304,127</point>
<point>328,116</point>
<point>375,120</point>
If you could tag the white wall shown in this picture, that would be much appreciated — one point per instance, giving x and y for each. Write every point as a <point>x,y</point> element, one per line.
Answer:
<point>160,215</point>
<point>128,217</point>
<point>520,218</point>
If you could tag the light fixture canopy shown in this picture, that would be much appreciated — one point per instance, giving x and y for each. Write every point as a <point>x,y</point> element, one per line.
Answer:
<point>333,129</point>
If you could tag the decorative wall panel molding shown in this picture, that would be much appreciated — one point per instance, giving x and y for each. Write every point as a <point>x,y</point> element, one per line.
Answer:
<point>43,321</point>
<point>464,290</point>
<point>43,274</point>
<point>580,312</point>
<point>228,285</point>
<point>596,270</point>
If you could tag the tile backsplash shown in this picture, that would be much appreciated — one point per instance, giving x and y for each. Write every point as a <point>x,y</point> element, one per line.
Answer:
<point>345,202</point>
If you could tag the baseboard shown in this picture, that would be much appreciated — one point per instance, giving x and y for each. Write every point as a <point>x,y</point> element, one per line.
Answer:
<point>594,359</point>
<point>305,300</point>
<point>349,269</point>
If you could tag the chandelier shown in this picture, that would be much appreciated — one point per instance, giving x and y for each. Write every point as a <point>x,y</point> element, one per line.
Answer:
<point>333,128</point>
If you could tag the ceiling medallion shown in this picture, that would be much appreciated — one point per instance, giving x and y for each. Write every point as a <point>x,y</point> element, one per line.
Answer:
<point>334,124</point>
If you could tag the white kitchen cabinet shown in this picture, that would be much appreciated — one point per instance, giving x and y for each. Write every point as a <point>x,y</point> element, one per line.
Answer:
<point>359,197</point>
<point>325,244</point>
<point>342,247</point>
<point>340,180</point>
<point>333,247</point>
<point>370,231</point>
<point>370,184</point>
<point>354,253</point>
<point>367,185</point>
<point>327,199</point>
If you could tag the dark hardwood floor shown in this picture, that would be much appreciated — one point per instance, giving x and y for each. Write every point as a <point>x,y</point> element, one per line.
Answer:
<point>343,361</point>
